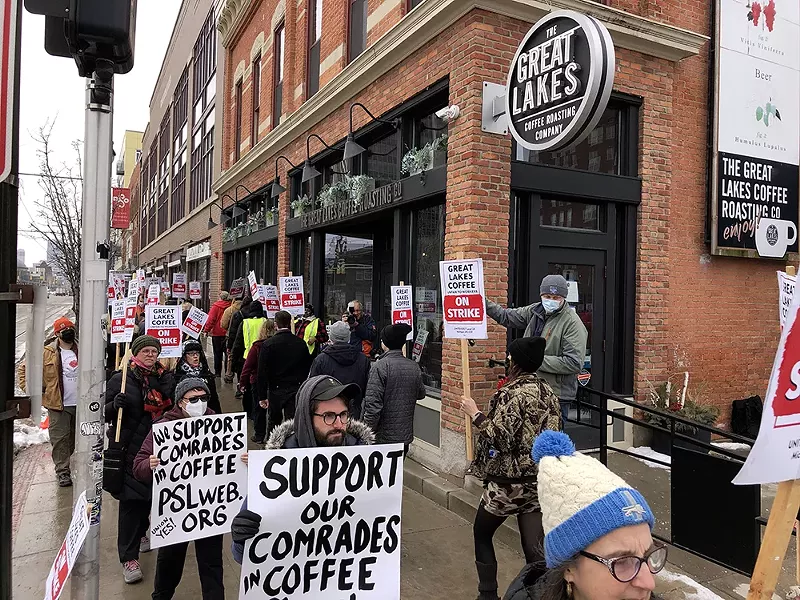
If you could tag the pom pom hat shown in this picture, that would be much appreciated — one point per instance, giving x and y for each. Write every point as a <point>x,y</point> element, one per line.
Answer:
<point>581,499</point>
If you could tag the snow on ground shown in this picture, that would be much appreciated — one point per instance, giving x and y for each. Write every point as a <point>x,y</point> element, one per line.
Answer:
<point>26,433</point>
<point>646,452</point>
<point>732,446</point>
<point>699,593</point>
<point>743,589</point>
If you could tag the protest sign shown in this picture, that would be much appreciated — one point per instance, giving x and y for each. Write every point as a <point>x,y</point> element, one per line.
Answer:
<point>270,300</point>
<point>419,344</point>
<point>402,307</point>
<point>69,550</point>
<point>200,485</point>
<point>179,285</point>
<point>165,289</point>
<point>194,323</point>
<point>140,279</point>
<point>237,287</point>
<point>153,293</point>
<point>330,527</point>
<point>292,297</point>
<point>195,290</point>
<point>117,285</point>
<point>251,279</point>
<point>463,298</point>
<point>118,321</point>
<point>786,285</point>
<point>164,323</point>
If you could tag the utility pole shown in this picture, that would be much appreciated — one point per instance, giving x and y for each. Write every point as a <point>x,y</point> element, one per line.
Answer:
<point>94,304</point>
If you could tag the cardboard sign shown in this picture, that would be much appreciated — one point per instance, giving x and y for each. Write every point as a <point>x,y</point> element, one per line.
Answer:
<point>237,288</point>
<point>426,301</point>
<point>117,285</point>
<point>463,298</point>
<point>270,299</point>
<point>69,550</point>
<point>402,307</point>
<point>200,485</point>
<point>179,285</point>
<point>348,495</point>
<point>194,323</point>
<point>419,344</point>
<point>775,457</point>
<point>292,296</point>
<point>153,293</point>
<point>195,290</point>
<point>786,285</point>
<point>164,323</point>
<point>118,321</point>
<point>251,279</point>
<point>140,279</point>
<point>165,289</point>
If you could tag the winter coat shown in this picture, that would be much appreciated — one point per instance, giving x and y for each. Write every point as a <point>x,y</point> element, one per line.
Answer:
<point>233,328</point>
<point>225,320</point>
<point>566,337</point>
<point>136,424</point>
<point>518,412</point>
<point>283,364</point>
<point>347,364</point>
<point>395,385</point>
<point>531,585</point>
<point>254,310</point>
<point>206,375</point>
<point>213,324</point>
<point>141,463</point>
<point>364,333</point>
<point>250,369</point>
<point>52,375</point>
<point>314,344</point>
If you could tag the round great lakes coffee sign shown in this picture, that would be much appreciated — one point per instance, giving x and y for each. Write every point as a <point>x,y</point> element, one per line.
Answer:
<point>560,81</point>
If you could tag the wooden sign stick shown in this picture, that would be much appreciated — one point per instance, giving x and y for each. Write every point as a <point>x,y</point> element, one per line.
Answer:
<point>467,387</point>
<point>116,361</point>
<point>292,316</point>
<point>405,346</point>
<point>123,385</point>
<point>776,541</point>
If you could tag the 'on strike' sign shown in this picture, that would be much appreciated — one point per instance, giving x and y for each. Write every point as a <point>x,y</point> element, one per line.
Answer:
<point>463,298</point>
<point>164,323</point>
<point>292,300</point>
<point>330,526</point>
<point>402,307</point>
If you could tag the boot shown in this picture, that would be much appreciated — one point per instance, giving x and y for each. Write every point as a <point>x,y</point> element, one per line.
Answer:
<point>487,581</point>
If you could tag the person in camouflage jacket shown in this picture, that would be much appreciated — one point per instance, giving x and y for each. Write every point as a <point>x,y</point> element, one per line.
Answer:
<point>520,410</point>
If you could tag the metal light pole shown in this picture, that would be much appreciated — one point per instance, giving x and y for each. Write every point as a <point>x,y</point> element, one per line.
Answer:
<point>94,281</point>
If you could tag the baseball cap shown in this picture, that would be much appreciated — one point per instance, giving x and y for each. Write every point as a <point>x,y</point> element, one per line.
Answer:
<point>61,324</point>
<point>330,388</point>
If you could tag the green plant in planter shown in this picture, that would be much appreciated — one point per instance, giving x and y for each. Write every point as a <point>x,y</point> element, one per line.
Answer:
<point>408,166</point>
<point>272,216</point>
<point>300,204</point>
<point>680,402</point>
<point>358,185</point>
<point>229,234</point>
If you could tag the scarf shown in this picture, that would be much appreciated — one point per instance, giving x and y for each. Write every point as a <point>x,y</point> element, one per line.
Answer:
<point>154,400</point>
<point>192,371</point>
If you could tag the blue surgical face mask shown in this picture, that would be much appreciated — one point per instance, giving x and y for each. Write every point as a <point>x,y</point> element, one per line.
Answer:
<point>551,306</point>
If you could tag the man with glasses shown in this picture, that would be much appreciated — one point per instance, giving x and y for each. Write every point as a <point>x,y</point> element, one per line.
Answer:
<point>322,419</point>
<point>363,331</point>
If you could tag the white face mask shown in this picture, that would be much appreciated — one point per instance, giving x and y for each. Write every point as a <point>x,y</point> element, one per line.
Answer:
<point>550,305</point>
<point>196,409</point>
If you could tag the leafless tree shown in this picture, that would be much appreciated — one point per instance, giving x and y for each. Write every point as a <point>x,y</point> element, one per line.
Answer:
<point>58,211</point>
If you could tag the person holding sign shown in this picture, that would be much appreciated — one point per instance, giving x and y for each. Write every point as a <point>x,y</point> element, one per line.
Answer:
<point>249,329</point>
<point>193,363</point>
<point>148,394</point>
<point>322,420</point>
<point>192,397</point>
<point>311,330</point>
<point>395,385</point>
<point>520,410</point>
<point>362,327</point>
<point>566,335</point>
<point>598,541</point>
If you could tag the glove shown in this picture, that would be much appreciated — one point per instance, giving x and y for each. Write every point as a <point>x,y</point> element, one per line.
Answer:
<point>122,401</point>
<point>244,526</point>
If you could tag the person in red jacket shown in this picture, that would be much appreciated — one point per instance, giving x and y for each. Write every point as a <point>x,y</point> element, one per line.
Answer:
<point>214,327</point>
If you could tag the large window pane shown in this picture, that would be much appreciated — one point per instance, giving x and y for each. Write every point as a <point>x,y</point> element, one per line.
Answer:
<point>358,28</point>
<point>348,274</point>
<point>572,215</point>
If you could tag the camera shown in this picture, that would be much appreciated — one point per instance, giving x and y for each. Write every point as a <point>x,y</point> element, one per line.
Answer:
<point>448,113</point>
<point>351,318</point>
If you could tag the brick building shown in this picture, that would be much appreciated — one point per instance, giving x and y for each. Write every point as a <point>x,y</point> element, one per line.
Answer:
<point>180,155</point>
<point>623,214</point>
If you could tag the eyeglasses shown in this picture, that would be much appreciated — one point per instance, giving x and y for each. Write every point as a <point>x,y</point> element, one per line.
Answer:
<point>329,418</point>
<point>193,354</point>
<point>149,352</point>
<point>203,398</point>
<point>625,568</point>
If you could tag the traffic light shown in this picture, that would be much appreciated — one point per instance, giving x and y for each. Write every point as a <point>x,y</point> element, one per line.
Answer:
<point>89,31</point>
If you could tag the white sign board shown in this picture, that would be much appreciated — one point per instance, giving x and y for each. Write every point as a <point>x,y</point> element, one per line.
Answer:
<point>70,548</point>
<point>118,322</point>
<point>195,290</point>
<point>270,299</point>
<point>194,323</point>
<point>786,285</point>
<point>179,285</point>
<point>140,279</point>
<point>419,344</point>
<point>572,292</point>
<point>200,485</point>
<point>251,279</point>
<point>403,307</point>
<point>237,288</point>
<point>292,296</point>
<point>348,495</point>
<point>775,457</point>
<point>463,298</point>
<point>164,323</point>
<point>7,82</point>
<point>153,293</point>
<point>165,289</point>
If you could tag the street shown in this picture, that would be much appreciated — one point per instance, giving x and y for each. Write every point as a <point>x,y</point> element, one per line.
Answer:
<point>57,306</point>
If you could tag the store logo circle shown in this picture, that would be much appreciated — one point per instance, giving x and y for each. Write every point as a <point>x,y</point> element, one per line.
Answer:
<point>772,235</point>
<point>560,81</point>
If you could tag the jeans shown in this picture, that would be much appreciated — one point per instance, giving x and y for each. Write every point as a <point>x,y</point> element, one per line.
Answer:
<point>170,563</point>
<point>62,437</point>
<point>218,344</point>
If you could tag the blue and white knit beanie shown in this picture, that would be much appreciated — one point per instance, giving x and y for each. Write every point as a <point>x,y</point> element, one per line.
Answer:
<point>581,499</point>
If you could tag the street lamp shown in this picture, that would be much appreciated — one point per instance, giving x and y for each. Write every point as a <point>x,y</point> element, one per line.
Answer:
<point>223,216</point>
<point>353,149</point>
<point>309,172</point>
<point>277,189</point>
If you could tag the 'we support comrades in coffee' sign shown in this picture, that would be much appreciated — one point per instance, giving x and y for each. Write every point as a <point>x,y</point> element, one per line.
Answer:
<point>464,298</point>
<point>200,485</point>
<point>330,524</point>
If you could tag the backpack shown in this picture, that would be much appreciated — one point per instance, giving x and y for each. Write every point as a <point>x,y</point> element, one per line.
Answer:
<point>746,416</point>
<point>225,321</point>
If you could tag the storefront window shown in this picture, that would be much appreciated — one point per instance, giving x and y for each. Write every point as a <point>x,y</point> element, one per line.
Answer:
<point>199,270</point>
<point>382,163</point>
<point>428,251</point>
<point>571,215</point>
<point>348,274</point>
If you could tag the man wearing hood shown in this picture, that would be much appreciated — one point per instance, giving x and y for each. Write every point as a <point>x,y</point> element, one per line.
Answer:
<point>214,327</point>
<point>344,362</point>
<point>322,419</point>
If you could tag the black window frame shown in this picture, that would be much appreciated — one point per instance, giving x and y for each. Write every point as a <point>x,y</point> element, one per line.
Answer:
<point>313,47</point>
<point>237,123</point>
<point>355,52</point>
<point>256,104</point>
<point>278,71</point>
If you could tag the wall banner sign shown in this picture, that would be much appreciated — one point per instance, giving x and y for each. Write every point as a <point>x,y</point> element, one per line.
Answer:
<point>560,81</point>
<point>380,198</point>
<point>756,152</point>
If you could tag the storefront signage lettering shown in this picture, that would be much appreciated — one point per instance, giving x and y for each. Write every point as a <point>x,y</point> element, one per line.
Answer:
<point>379,198</point>
<point>754,204</point>
<point>560,81</point>
<point>198,251</point>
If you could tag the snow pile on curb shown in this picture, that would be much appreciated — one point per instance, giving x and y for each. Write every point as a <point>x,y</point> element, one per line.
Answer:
<point>646,452</point>
<point>27,434</point>
<point>732,446</point>
<point>698,593</point>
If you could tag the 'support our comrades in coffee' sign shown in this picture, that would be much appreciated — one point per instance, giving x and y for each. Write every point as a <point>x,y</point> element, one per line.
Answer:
<point>463,298</point>
<point>164,323</point>
<point>194,323</point>
<point>292,299</point>
<point>402,306</point>
<point>330,526</point>
<point>201,481</point>
<point>786,285</point>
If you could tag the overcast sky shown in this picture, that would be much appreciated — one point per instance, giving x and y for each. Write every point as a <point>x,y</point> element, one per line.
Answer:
<point>51,88</point>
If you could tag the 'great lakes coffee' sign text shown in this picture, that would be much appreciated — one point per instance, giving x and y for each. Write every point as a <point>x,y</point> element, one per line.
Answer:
<point>379,198</point>
<point>560,81</point>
